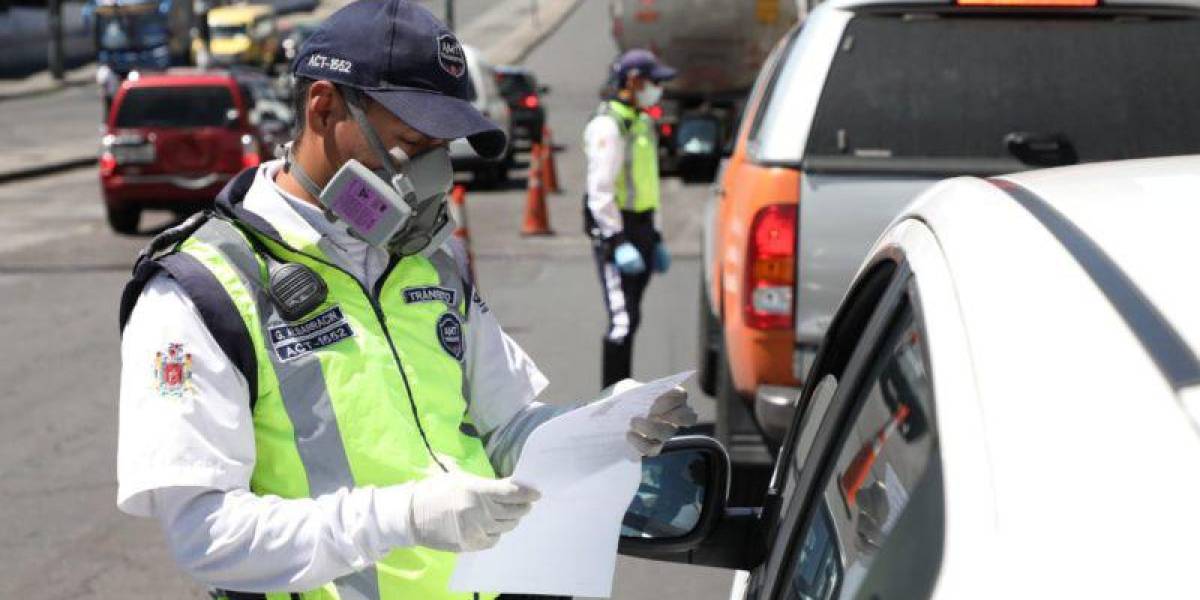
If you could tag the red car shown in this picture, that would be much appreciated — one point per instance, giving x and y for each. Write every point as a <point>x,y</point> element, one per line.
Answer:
<point>171,142</point>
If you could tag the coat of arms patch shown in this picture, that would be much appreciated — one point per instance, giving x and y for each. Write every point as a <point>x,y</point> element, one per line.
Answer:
<point>173,371</point>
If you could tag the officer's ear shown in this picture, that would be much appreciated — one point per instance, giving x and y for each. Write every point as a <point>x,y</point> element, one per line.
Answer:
<point>324,108</point>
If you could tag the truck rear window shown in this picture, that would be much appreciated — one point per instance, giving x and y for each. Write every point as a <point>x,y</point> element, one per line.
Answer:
<point>184,106</point>
<point>952,87</point>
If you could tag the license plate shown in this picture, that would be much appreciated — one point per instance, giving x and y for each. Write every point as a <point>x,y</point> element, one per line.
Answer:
<point>133,155</point>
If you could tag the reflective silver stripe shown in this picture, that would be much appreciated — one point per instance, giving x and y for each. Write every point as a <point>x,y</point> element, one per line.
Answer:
<point>305,398</point>
<point>627,160</point>
<point>627,168</point>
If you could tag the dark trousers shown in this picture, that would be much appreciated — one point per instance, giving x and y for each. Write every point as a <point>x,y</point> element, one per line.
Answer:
<point>623,296</point>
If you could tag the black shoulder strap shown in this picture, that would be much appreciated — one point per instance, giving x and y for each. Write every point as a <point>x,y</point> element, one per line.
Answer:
<point>212,302</point>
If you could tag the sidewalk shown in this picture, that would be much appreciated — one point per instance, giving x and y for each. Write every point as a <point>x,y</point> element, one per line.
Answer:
<point>66,133</point>
<point>42,83</point>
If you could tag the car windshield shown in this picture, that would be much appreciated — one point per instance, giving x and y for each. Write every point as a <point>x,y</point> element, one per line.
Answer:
<point>183,106</point>
<point>953,87</point>
<point>227,31</point>
<point>130,32</point>
<point>513,84</point>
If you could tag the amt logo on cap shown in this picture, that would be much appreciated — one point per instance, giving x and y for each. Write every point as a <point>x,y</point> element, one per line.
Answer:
<point>450,55</point>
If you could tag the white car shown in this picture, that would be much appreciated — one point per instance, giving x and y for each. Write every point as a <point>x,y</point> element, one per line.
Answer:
<point>1007,405</point>
<point>485,97</point>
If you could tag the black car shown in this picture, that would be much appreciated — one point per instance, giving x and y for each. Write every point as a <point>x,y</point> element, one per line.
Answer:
<point>521,91</point>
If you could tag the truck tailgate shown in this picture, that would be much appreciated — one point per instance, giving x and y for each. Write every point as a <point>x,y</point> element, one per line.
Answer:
<point>841,216</point>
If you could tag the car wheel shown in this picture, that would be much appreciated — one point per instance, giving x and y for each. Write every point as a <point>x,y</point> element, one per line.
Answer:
<point>124,220</point>
<point>707,346</point>
<point>750,461</point>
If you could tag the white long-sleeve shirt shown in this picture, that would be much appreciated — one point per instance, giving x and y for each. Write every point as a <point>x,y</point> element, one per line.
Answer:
<point>605,150</point>
<point>186,458</point>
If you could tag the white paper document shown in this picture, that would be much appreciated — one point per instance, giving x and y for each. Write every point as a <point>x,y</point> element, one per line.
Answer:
<point>587,473</point>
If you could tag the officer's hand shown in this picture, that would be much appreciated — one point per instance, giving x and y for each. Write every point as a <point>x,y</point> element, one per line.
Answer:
<point>662,258</point>
<point>460,512</point>
<point>669,412</point>
<point>629,260</point>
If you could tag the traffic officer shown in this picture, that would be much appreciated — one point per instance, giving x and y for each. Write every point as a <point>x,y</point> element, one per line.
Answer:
<point>315,401</point>
<point>621,206</point>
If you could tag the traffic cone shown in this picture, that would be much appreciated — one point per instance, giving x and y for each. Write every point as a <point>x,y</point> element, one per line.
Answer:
<point>537,218</point>
<point>860,466</point>
<point>549,167</point>
<point>458,211</point>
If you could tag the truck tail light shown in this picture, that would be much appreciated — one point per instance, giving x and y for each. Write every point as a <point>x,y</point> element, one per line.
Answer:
<point>251,153</point>
<point>771,268</point>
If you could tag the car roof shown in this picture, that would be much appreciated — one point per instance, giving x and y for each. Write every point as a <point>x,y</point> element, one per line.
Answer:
<point>1078,295</point>
<point>179,77</point>
<point>237,13</point>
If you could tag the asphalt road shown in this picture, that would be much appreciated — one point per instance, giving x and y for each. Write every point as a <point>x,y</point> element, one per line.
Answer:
<point>61,272</point>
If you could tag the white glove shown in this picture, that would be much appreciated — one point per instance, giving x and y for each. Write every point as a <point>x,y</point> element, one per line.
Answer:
<point>460,512</point>
<point>669,412</point>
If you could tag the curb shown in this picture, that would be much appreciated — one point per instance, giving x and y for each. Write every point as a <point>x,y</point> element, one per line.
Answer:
<point>518,38</point>
<point>42,91</point>
<point>46,168</point>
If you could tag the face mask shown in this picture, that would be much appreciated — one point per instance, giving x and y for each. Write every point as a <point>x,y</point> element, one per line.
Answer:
<point>649,95</point>
<point>404,213</point>
<point>400,207</point>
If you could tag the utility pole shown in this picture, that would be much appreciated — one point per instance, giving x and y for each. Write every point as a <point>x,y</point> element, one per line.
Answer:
<point>450,15</point>
<point>55,52</point>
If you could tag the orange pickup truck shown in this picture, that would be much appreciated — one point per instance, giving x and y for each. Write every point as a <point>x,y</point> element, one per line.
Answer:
<point>746,330</point>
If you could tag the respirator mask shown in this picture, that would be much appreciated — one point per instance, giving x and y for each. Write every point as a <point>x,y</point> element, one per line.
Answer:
<point>649,95</point>
<point>400,207</point>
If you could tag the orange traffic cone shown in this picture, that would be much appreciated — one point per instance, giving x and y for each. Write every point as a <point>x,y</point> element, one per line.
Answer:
<point>537,217</point>
<point>860,466</point>
<point>458,211</point>
<point>549,167</point>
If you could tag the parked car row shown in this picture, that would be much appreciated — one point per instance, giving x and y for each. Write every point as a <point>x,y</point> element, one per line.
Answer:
<point>173,139</point>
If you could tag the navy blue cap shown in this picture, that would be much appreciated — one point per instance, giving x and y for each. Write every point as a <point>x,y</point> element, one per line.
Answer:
<point>644,63</point>
<point>400,55</point>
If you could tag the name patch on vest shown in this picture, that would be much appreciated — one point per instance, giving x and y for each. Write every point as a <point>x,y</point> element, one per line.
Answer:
<point>294,341</point>
<point>450,334</point>
<point>431,293</point>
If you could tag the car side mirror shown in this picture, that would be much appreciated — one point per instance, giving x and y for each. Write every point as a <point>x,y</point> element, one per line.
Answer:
<point>233,118</point>
<point>679,512</point>
<point>543,89</point>
<point>680,494</point>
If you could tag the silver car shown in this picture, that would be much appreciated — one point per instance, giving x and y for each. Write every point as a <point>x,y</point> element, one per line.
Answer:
<point>485,97</point>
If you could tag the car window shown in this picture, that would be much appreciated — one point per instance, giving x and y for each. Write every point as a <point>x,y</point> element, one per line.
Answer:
<point>227,31</point>
<point>515,84</point>
<point>818,405</point>
<point>765,87</point>
<point>879,460</point>
<point>183,106</point>
<point>953,87</point>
